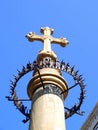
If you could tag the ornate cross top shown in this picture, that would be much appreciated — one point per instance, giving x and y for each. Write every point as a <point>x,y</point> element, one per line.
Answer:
<point>47,38</point>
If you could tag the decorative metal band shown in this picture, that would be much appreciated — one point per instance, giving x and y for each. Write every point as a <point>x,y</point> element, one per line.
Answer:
<point>48,89</point>
<point>48,63</point>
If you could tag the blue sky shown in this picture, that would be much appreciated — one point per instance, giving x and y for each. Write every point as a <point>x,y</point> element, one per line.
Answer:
<point>76,20</point>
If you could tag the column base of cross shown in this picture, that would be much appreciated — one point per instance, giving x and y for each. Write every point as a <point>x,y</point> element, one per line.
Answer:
<point>43,53</point>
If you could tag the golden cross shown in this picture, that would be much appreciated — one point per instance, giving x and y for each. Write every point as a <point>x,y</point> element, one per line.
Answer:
<point>47,38</point>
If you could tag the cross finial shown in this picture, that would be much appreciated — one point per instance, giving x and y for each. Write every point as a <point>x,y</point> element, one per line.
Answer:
<point>46,38</point>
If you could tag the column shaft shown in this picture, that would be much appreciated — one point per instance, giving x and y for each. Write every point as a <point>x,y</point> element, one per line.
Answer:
<point>47,113</point>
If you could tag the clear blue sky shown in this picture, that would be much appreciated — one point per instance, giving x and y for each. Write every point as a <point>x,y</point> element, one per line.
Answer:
<point>76,20</point>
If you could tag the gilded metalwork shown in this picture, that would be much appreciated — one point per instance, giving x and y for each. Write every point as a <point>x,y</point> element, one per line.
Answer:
<point>46,38</point>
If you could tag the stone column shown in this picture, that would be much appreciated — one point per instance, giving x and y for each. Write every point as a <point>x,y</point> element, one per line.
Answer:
<point>47,111</point>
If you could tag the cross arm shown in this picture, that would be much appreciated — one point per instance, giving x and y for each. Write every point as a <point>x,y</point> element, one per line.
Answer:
<point>62,41</point>
<point>32,36</point>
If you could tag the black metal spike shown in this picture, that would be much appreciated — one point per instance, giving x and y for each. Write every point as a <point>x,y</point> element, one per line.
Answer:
<point>9,98</point>
<point>68,65</point>
<point>62,65</point>
<point>28,66</point>
<point>72,69</point>
<point>25,120</point>
<point>80,113</point>
<point>16,78</point>
<point>32,66</point>
<point>13,83</point>
<point>11,92</point>
<point>82,80</point>
<point>84,85</point>
<point>11,88</point>
<point>80,76</point>
<point>76,73</point>
<point>35,63</point>
<point>68,68</point>
<point>23,68</point>
<point>84,91</point>
<point>62,62</point>
<point>67,108</point>
<point>57,64</point>
<point>19,73</point>
<point>75,107</point>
